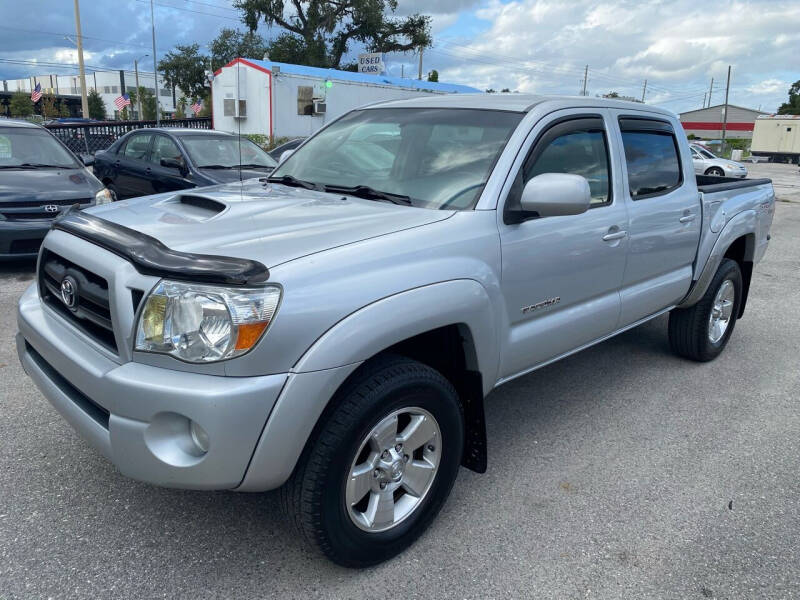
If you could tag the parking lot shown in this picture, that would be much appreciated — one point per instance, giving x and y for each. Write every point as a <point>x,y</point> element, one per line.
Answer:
<point>621,472</point>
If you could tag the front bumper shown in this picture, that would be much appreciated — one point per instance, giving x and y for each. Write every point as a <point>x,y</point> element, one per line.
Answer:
<point>739,173</point>
<point>21,239</point>
<point>138,415</point>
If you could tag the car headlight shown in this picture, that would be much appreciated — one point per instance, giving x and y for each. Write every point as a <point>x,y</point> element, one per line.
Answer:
<point>104,196</point>
<point>202,323</point>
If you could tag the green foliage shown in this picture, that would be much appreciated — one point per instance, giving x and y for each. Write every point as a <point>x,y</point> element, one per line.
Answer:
<point>433,75</point>
<point>266,142</point>
<point>148,103</point>
<point>97,108</point>
<point>63,109</point>
<point>185,68</point>
<point>232,43</point>
<point>792,107</point>
<point>505,91</point>
<point>20,105</point>
<point>491,91</point>
<point>319,32</point>
<point>180,107</point>
<point>47,106</point>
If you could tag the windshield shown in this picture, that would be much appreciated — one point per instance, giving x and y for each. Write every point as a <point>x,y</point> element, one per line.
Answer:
<point>33,147</point>
<point>223,151</point>
<point>437,158</point>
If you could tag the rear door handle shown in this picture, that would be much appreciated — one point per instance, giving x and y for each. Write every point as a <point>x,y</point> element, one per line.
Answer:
<point>687,218</point>
<point>617,235</point>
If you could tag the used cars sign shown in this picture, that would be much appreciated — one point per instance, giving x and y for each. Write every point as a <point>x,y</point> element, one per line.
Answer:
<point>371,63</point>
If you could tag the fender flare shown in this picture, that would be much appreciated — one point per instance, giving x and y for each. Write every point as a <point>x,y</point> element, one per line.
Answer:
<point>337,353</point>
<point>742,225</point>
<point>377,326</point>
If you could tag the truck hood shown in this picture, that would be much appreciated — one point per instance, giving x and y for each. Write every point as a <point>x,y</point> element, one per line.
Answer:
<point>266,222</point>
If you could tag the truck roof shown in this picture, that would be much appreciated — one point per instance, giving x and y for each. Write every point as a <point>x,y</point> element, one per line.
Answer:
<point>514,102</point>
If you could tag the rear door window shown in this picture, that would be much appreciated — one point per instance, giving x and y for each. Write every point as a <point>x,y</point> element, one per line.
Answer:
<point>651,153</point>
<point>137,146</point>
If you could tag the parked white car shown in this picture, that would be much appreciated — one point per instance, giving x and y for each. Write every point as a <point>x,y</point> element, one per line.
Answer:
<point>706,163</point>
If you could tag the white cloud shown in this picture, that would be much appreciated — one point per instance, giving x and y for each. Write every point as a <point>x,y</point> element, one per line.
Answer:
<point>543,45</point>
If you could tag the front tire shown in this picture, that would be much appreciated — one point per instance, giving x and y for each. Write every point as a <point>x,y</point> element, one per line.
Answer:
<point>702,331</point>
<point>380,465</point>
<point>716,171</point>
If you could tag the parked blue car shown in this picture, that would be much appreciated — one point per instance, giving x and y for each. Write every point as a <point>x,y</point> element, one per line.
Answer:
<point>156,160</point>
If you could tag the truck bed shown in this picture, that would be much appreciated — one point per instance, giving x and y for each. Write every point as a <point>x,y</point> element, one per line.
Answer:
<point>709,184</point>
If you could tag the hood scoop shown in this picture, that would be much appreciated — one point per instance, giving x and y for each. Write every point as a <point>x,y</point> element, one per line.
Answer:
<point>205,204</point>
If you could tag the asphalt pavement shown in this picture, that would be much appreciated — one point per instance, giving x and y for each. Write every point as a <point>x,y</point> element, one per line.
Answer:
<point>620,472</point>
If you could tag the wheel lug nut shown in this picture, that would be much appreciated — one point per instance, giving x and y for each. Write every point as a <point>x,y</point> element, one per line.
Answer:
<point>431,448</point>
<point>399,447</point>
<point>385,455</point>
<point>405,457</point>
<point>376,473</point>
<point>383,485</point>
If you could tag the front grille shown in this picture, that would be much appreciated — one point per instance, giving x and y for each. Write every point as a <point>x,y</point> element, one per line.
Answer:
<point>91,312</point>
<point>25,210</point>
<point>29,203</point>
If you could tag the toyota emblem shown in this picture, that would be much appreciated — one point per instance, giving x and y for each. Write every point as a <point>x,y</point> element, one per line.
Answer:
<point>69,291</point>
<point>51,208</point>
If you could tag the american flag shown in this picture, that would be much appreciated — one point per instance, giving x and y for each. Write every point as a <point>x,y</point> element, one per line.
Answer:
<point>122,101</point>
<point>197,107</point>
<point>36,94</point>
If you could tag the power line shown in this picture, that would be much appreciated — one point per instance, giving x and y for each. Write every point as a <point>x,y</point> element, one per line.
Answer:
<point>196,12</point>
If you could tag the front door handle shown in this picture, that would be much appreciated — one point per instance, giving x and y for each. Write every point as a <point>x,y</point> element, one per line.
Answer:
<point>617,235</point>
<point>687,218</point>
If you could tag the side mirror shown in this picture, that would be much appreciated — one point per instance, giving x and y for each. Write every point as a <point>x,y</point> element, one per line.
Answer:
<point>556,195</point>
<point>87,159</point>
<point>286,154</point>
<point>173,163</point>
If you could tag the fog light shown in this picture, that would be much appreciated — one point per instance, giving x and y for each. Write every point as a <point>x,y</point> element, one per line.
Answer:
<point>199,436</point>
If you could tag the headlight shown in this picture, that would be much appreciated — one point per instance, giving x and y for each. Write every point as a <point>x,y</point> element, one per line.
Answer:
<point>104,196</point>
<point>203,323</point>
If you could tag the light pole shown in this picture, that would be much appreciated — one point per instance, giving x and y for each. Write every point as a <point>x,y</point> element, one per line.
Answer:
<point>155,65</point>
<point>138,94</point>
<point>84,98</point>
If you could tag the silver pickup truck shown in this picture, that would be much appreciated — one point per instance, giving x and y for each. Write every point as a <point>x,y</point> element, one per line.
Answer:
<point>333,330</point>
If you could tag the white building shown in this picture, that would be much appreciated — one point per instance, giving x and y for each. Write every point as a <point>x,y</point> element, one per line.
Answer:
<point>109,84</point>
<point>284,100</point>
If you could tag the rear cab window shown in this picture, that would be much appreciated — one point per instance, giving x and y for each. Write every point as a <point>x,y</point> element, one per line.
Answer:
<point>652,157</point>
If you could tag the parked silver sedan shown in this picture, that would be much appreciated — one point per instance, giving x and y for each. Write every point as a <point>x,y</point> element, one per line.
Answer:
<point>706,163</point>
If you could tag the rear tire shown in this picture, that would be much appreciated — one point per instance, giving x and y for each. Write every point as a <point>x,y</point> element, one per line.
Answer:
<point>702,331</point>
<point>321,496</point>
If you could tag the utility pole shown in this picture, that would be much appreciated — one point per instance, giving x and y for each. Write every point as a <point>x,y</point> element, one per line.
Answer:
<point>725,118</point>
<point>644,90</point>
<point>402,71</point>
<point>710,90</point>
<point>155,65</point>
<point>704,99</point>
<point>84,98</point>
<point>420,64</point>
<point>585,78</point>
<point>138,95</point>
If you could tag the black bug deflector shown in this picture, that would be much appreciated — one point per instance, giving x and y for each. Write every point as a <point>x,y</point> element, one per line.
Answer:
<point>151,257</point>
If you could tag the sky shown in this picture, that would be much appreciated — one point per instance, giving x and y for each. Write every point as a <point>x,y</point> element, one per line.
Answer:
<point>529,46</point>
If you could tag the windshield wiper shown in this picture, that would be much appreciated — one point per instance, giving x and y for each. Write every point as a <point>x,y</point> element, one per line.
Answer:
<point>254,166</point>
<point>293,181</point>
<point>35,166</point>
<point>217,166</point>
<point>368,193</point>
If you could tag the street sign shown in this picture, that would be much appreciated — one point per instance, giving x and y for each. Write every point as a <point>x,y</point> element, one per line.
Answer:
<point>371,63</point>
